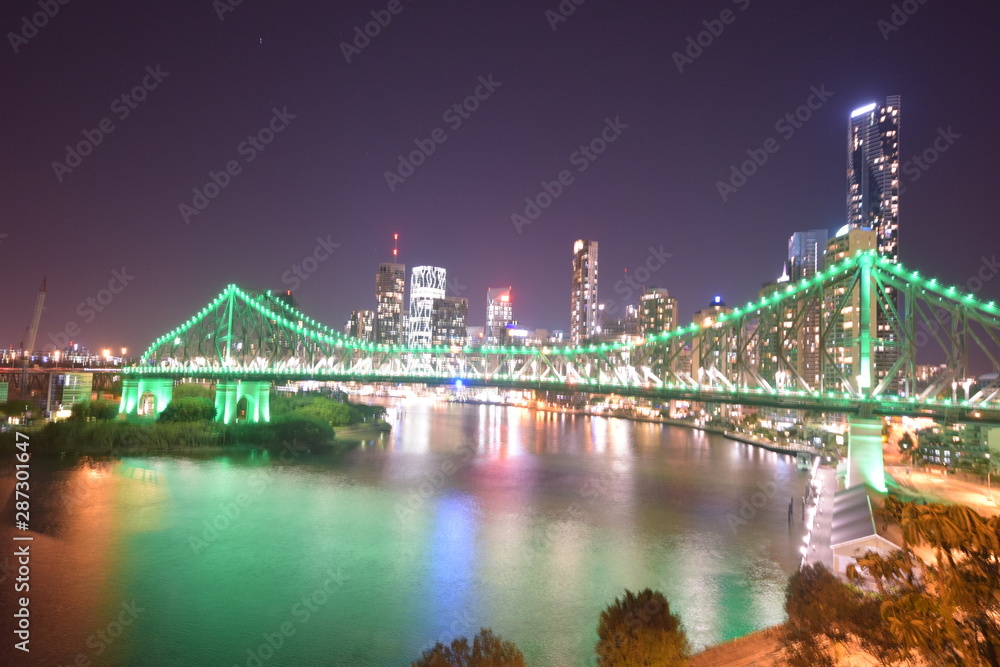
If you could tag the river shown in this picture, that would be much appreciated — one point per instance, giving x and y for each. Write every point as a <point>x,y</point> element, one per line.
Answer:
<point>463,516</point>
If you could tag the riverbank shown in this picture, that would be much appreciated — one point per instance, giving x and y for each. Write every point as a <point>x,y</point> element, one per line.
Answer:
<point>201,438</point>
<point>790,449</point>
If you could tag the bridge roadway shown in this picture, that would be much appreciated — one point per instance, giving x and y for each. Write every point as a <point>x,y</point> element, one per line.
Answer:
<point>886,406</point>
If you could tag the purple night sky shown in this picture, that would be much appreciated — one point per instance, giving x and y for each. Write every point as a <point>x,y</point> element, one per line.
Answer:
<point>208,84</point>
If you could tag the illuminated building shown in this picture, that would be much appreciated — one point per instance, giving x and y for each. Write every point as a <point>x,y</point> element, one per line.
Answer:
<point>449,321</point>
<point>805,259</point>
<point>426,284</point>
<point>657,311</point>
<point>873,173</point>
<point>390,284</point>
<point>362,325</point>
<point>583,302</point>
<point>499,313</point>
<point>842,317</point>
<point>873,201</point>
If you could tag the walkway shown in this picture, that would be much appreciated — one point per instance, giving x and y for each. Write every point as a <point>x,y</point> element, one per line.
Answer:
<point>818,548</point>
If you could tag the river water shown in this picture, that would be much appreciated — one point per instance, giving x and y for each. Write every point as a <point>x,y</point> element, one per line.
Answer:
<point>464,516</point>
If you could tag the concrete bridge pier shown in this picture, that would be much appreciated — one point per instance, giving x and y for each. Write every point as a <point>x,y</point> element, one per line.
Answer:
<point>134,391</point>
<point>865,464</point>
<point>229,393</point>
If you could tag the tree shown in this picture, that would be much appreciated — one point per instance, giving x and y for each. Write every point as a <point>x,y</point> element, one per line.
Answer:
<point>99,410</point>
<point>188,410</point>
<point>822,610</point>
<point>487,650</point>
<point>639,630</point>
<point>947,611</point>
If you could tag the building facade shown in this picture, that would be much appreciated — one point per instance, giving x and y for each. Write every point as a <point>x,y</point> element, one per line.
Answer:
<point>657,311</point>
<point>390,286</point>
<point>427,283</point>
<point>362,325</point>
<point>450,321</point>
<point>499,313</point>
<point>584,323</point>
<point>873,173</point>
<point>806,251</point>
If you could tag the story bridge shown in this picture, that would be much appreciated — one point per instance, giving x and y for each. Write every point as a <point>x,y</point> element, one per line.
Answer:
<point>845,340</point>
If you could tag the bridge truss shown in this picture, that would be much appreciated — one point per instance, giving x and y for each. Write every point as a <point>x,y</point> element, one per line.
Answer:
<point>845,340</point>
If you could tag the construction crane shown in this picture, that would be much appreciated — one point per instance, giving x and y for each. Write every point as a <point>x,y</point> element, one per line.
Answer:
<point>29,345</point>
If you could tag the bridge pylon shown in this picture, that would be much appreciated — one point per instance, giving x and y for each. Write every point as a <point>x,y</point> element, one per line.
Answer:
<point>134,395</point>
<point>865,463</point>
<point>229,393</point>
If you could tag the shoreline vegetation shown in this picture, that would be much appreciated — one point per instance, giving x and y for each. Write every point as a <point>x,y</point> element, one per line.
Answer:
<point>314,423</point>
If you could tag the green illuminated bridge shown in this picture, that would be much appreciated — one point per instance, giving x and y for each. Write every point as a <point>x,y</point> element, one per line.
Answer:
<point>846,340</point>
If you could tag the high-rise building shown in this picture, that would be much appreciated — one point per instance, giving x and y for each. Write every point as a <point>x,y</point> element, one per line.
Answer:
<point>499,313</point>
<point>842,317</point>
<point>873,203</point>
<point>450,321</point>
<point>583,323</point>
<point>362,325</point>
<point>873,173</point>
<point>712,354</point>
<point>426,284</point>
<point>806,251</point>
<point>657,311</point>
<point>390,286</point>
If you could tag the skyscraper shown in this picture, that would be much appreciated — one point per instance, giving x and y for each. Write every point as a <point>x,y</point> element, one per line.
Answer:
<point>390,284</point>
<point>499,313</point>
<point>362,325</point>
<point>449,321</point>
<point>873,172</point>
<point>873,203</point>
<point>426,284</point>
<point>583,323</point>
<point>805,259</point>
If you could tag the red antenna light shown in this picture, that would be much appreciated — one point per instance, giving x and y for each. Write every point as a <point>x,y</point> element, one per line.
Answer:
<point>395,245</point>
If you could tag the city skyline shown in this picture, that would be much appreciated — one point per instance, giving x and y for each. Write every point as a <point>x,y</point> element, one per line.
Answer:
<point>596,122</point>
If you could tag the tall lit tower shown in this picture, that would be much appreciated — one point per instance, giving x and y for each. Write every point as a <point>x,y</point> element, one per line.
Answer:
<point>426,284</point>
<point>390,285</point>
<point>873,172</point>
<point>499,313</point>
<point>873,203</point>
<point>805,259</point>
<point>583,301</point>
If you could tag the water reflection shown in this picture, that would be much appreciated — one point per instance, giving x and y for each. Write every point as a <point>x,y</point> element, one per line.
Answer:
<point>463,516</point>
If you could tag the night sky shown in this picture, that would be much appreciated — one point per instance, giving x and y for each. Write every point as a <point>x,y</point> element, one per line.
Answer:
<point>211,83</point>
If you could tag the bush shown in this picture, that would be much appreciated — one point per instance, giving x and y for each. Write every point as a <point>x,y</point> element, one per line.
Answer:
<point>99,410</point>
<point>188,410</point>
<point>639,629</point>
<point>487,650</point>
<point>193,390</point>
